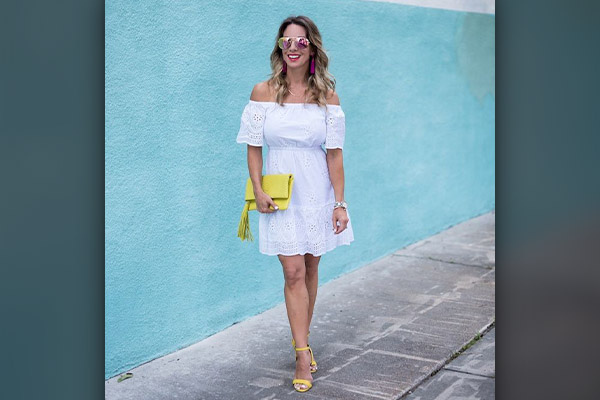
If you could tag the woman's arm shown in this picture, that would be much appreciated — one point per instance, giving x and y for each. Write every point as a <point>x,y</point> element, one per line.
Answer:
<point>255,164</point>
<point>255,161</point>
<point>335,163</point>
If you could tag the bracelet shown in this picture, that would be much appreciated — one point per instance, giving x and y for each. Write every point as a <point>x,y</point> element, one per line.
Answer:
<point>340,204</point>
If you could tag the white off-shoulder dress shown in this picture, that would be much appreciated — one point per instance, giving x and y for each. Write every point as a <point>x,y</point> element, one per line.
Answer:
<point>295,134</point>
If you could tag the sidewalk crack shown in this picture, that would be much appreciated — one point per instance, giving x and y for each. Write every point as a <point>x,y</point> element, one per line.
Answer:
<point>444,261</point>
<point>469,373</point>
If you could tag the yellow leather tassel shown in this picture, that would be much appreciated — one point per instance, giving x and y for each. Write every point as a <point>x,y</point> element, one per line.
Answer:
<point>244,226</point>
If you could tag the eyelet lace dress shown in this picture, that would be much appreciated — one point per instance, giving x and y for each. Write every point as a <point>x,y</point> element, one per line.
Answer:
<point>294,134</point>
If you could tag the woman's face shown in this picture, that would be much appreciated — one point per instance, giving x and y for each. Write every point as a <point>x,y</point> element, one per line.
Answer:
<point>301,62</point>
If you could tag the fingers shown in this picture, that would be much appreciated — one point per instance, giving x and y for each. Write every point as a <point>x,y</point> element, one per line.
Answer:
<point>272,204</point>
<point>340,223</point>
<point>269,207</point>
<point>341,226</point>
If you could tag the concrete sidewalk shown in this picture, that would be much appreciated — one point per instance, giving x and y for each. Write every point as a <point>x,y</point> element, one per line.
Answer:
<point>471,375</point>
<point>377,333</point>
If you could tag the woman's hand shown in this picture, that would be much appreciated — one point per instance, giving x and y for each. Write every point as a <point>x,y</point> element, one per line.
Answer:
<point>340,215</point>
<point>264,202</point>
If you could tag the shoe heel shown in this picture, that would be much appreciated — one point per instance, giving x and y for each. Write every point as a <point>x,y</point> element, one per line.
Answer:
<point>313,362</point>
<point>305,382</point>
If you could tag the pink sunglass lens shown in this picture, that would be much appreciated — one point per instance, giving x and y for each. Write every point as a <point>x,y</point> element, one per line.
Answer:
<point>301,43</point>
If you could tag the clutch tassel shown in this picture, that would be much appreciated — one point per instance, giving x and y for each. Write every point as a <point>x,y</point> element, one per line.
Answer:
<point>244,226</point>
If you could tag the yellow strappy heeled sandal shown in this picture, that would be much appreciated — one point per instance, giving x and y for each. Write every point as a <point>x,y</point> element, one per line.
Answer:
<point>305,382</point>
<point>313,362</point>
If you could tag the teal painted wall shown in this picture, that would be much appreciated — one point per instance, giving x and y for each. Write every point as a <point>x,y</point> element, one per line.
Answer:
<point>416,85</point>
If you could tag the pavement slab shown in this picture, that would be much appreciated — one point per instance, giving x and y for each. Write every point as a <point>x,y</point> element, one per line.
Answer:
<point>471,375</point>
<point>377,332</point>
<point>479,359</point>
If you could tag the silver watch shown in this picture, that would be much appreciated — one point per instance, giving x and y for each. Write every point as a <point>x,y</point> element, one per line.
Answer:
<point>341,204</point>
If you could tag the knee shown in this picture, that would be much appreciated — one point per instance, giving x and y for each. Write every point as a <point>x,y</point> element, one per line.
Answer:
<point>312,269</point>
<point>312,264</point>
<point>294,278</point>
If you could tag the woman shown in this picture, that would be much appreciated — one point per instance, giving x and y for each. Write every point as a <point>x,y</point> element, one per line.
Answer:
<point>294,112</point>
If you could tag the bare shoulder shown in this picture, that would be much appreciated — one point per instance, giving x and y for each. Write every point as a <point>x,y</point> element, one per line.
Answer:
<point>261,92</point>
<point>332,98</point>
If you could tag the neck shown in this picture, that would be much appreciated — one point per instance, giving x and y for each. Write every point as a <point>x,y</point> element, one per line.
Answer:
<point>296,78</point>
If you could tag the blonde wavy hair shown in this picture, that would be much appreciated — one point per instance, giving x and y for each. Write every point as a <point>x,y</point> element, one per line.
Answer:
<point>317,84</point>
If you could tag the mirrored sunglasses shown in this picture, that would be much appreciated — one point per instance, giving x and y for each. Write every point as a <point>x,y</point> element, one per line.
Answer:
<point>285,42</point>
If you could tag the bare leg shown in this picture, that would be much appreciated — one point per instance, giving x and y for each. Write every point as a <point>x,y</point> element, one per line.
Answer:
<point>296,303</point>
<point>312,282</point>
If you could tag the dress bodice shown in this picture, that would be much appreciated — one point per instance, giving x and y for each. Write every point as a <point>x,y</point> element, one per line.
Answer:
<point>293,125</point>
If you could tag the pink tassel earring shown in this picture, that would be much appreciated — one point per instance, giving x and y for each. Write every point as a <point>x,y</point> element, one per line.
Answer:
<point>312,65</point>
<point>284,69</point>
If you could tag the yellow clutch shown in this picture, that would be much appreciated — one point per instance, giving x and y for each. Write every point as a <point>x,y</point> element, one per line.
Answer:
<point>277,186</point>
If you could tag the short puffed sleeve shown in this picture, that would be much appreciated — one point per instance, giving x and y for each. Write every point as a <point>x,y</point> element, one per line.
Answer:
<point>336,127</point>
<point>252,124</point>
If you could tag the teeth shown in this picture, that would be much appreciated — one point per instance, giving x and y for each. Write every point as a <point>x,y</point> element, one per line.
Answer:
<point>293,56</point>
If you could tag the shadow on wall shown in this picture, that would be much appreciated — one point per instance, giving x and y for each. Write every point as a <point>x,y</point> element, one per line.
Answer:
<point>475,44</point>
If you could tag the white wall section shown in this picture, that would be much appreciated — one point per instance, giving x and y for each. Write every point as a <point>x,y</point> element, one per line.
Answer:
<point>477,6</point>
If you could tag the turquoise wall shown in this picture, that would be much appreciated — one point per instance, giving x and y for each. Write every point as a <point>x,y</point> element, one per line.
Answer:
<point>416,85</point>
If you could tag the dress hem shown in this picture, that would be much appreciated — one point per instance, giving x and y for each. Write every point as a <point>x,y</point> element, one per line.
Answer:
<point>307,251</point>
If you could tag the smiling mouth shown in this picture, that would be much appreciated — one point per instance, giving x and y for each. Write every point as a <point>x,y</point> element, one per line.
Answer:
<point>293,57</point>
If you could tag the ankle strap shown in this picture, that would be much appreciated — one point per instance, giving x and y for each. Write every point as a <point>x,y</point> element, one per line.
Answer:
<point>302,348</point>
